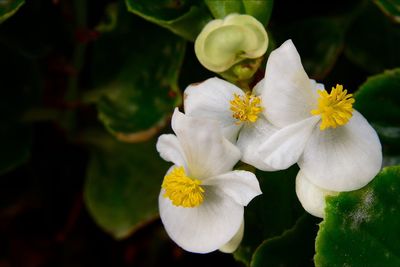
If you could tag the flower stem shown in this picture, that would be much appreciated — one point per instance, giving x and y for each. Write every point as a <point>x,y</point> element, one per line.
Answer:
<point>71,95</point>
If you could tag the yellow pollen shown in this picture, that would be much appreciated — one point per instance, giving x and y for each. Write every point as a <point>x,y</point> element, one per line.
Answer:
<point>245,108</point>
<point>181,189</point>
<point>335,108</point>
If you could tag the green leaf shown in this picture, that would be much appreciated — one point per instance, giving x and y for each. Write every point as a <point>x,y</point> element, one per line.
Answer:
<point>319,46</point>
<point>295,247</point>
<point>380,91</point>
<point>9,8</point>
<point>183,18</point>
<point>390,8</point>
<point>378,100</point>
<point>122,186</point>
<point>372,41</point>
<point>361,228</point>
<point>15,144</point>
<point>270,214</point>
<point>261,10</point>
<point>37,30</point>
<point>140,91</point>
<point>19,90</point>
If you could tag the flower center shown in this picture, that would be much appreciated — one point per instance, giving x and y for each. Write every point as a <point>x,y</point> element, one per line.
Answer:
<point>245,108</point>
<point>181,189</point>
<point>335,108</point>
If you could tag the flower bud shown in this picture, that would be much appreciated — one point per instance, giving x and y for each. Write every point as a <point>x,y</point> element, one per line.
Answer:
<point>226,42</point>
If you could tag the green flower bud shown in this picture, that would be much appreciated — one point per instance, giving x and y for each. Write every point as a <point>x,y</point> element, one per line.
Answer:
<point>242,71</point>
<point>225,42</point>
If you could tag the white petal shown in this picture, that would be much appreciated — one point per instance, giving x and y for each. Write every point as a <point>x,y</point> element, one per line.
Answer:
<point>285,147</point>
<point>241,186</point>
<point>345,158</point>
<point>208,153</point>
<point>259,87</point>
<point>204,228</point>
<point>311,197</point>
<point>210,99</point>
<point>250,138</point>
<point>288,93</point>
<point>317,86</point>
<point>170,150</point>
<point>234,243</point>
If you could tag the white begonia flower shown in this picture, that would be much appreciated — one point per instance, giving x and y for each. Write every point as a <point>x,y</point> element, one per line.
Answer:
<point>335,147</point>
<point>311,197</point>
<point>238,113</point>
<point>202,200</point>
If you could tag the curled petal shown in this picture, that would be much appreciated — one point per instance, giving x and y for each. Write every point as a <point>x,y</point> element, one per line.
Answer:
<point>311,197</point>
<point>234,243</point>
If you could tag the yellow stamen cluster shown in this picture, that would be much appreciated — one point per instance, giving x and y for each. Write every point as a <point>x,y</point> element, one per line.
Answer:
<point>335,108</point>
<point>245,108</point>
<point>181,189</point>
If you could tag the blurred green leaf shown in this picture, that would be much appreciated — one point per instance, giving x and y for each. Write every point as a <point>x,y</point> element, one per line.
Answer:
<point>15,144</point>
<point>378,100</point>
<point>261,10</point>
<point>361,228</point>
<point>8,8</point>
<point>390,8</point>
<point>270,214</point>
<point>183,17</point>
<point>19,86</point>
<point>122,186</point>
<point>319,46</point>
<point>298,242</point>
<point>372,41</point>
<point>140,90</point>
<point>381,91</point>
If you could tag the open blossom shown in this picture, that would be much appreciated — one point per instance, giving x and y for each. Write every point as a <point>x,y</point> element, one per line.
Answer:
<point>202,200</point>
<point>239,114</point>
<point>335,147</point>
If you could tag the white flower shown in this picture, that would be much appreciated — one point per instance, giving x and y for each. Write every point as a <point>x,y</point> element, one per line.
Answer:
<point>335,147</point>
<point>202,200</point>
<point>239,114</point>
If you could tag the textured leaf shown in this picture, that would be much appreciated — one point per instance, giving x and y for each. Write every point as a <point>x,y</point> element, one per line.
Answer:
<point>372,41</point>
<point>390,8</point>
<point>122,186</point>
<point>361,228</point>
<point>298,242</point>
<point>140,89</point>
<point>319,46</point>
<point>270,214</point>
<point>378,100</point>
<point>185,18</point>
<point>8,8</point>
<point>261,10</point>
